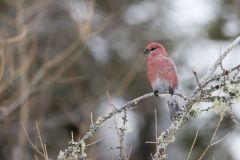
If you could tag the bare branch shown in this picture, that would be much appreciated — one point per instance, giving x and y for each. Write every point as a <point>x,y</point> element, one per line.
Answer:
<point>37,78</point>
<point>15,39</point>
<point>221,58</point>
<point>194,141</point>
<point>129,153</point>
<point>213,136</point>
<point>120,131</point>
<point>40,139</point>
<point>167,137</point>
<point>90,144</point>
<point>156,127</point>
<point>196,77</point>
<point>234,118</point>
<point>35,147</point>
<point>100,120</point>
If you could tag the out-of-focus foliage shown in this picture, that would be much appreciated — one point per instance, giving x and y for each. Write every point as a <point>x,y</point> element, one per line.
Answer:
<point>59,58</point>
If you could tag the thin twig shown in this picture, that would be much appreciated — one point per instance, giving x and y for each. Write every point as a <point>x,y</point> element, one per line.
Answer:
<point>220,59</point>
<point>90,144</point>
<point>119,131</point>
<point>196,77</point>
<point>17,38</point>
<point>156,127</point>
<point>234,118</point>
<point>151,142</point>
<point>220,140</point>
<point>34,147</point>
<point>129,154</point>
<point>40,139</point>
<point>213,136</point>
<point>46,153</point>
<point>122,134</point>
<point>194,141</point>
<point>217,77</point>
<point>91,116</point>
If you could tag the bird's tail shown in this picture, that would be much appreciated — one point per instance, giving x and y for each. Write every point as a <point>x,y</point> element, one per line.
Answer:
<point>175,104</point>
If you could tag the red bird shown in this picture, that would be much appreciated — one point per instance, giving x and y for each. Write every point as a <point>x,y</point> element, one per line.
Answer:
<point>161,70</point>
<point>161,73</point>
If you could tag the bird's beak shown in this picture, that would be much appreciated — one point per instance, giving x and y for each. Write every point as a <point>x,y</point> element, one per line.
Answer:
<point>146,51</point>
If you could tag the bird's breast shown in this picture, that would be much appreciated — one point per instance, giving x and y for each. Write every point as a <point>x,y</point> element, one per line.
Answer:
<point>161,73</point>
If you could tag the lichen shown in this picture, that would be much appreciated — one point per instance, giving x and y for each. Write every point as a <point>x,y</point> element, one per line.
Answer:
<point>61,155</point>
<point>127,128</point>
<point>221,104</point>
<point>99,120</point>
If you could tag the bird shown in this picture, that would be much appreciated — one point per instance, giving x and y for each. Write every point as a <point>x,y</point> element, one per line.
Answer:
<point>162,75</point>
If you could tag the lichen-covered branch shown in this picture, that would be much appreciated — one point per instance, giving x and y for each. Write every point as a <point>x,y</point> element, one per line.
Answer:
<point>205,92</point>
<point>77,149</point>
<point>227,82</point>
<point>221,58</point>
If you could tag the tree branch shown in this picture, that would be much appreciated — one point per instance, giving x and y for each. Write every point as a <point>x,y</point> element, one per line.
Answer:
<point>167,137</point>
<point>221,58</point>
<point>77,149</point>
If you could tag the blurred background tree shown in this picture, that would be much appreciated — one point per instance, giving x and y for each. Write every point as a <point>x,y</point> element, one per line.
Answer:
<point>59,58</point>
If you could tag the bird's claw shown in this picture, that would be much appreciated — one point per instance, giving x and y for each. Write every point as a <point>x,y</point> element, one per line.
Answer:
<point>171,91</point>
<point>156,93</point>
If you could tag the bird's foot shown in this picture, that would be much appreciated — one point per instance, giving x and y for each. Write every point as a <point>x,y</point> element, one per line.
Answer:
<point>156,93</point>
<point>171,91</point>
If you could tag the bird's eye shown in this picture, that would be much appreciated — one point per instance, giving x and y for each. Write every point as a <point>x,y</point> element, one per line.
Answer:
<point>152,49</point>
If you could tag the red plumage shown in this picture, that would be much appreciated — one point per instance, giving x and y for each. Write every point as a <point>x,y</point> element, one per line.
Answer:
<point>161,70</point>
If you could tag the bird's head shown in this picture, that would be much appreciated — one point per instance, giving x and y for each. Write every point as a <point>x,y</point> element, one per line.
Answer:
<point>153,47</point>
